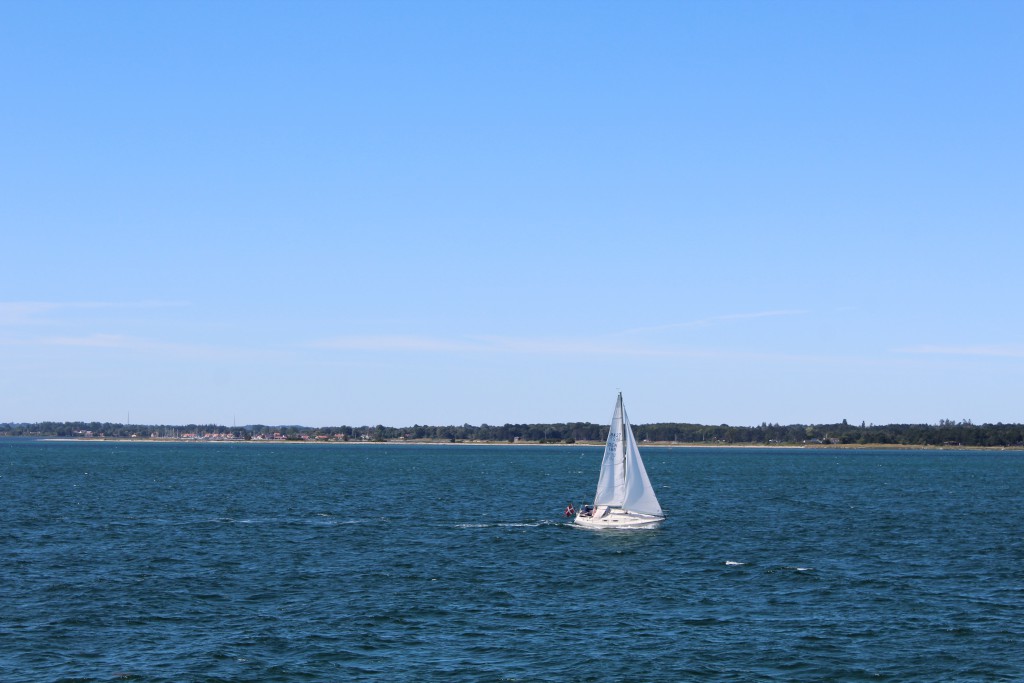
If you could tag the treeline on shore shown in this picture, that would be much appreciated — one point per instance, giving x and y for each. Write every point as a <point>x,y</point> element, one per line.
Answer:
<point>945,433</point>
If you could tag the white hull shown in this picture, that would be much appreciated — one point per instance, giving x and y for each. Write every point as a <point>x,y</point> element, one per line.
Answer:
<point>605,517</point>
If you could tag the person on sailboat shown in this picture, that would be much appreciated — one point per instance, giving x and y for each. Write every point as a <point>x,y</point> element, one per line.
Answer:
<point>570,510</point>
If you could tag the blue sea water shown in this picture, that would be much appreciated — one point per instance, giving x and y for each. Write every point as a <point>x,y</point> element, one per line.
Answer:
<point>261,562</point>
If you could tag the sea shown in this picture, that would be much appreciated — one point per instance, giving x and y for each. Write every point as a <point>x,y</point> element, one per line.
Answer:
<point>382,562</point>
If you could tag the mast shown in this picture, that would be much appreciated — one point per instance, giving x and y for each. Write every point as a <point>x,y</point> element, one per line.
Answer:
<point>622,441</point>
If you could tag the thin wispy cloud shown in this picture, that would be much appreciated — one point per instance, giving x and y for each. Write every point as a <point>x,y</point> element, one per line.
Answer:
<point>759,314</point>
<point>985,351</point>
<point>23,312</point>
<point>100,341</point>
<point>569,347</point>
<point>396,343</point>
<point>525,346</point>
<point>147,346</point>
<point>13,313</point>
<point>482,344</point>
<point>714,320</point>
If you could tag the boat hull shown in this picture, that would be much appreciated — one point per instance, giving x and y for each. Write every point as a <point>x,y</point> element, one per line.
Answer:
<point>617,518</point>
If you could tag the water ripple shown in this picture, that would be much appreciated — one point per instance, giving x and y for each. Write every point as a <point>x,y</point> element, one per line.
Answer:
<point>156,562</point>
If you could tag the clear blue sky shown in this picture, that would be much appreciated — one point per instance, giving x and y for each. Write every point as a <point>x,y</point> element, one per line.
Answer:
<point>329,213</point>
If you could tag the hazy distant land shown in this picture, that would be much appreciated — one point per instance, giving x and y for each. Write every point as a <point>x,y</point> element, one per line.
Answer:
<point>946,433</point>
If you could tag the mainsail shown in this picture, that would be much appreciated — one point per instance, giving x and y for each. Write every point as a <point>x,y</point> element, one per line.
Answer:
<point>623,482</point>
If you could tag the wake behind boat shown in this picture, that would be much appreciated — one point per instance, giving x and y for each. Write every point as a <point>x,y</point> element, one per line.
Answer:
<point>625,498</point>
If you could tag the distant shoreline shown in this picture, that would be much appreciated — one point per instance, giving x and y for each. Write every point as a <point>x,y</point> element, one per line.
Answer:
<point>582,444</point>
<point>944,435</point>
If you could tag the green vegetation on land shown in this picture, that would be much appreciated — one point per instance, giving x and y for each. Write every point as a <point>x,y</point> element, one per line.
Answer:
<point>945,433</point>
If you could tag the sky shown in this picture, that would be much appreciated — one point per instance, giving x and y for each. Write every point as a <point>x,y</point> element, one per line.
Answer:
<point>398,213</point>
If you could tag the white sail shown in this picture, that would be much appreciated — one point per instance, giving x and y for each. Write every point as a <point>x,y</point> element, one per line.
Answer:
<point>639,492</point>
<point>611,484</point>
<point>623,481</point>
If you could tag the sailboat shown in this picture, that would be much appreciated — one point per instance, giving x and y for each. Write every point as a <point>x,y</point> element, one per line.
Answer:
<point>624,498</point>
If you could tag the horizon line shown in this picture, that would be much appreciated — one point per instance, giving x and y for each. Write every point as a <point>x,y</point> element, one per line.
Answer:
<point>863,424</point>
